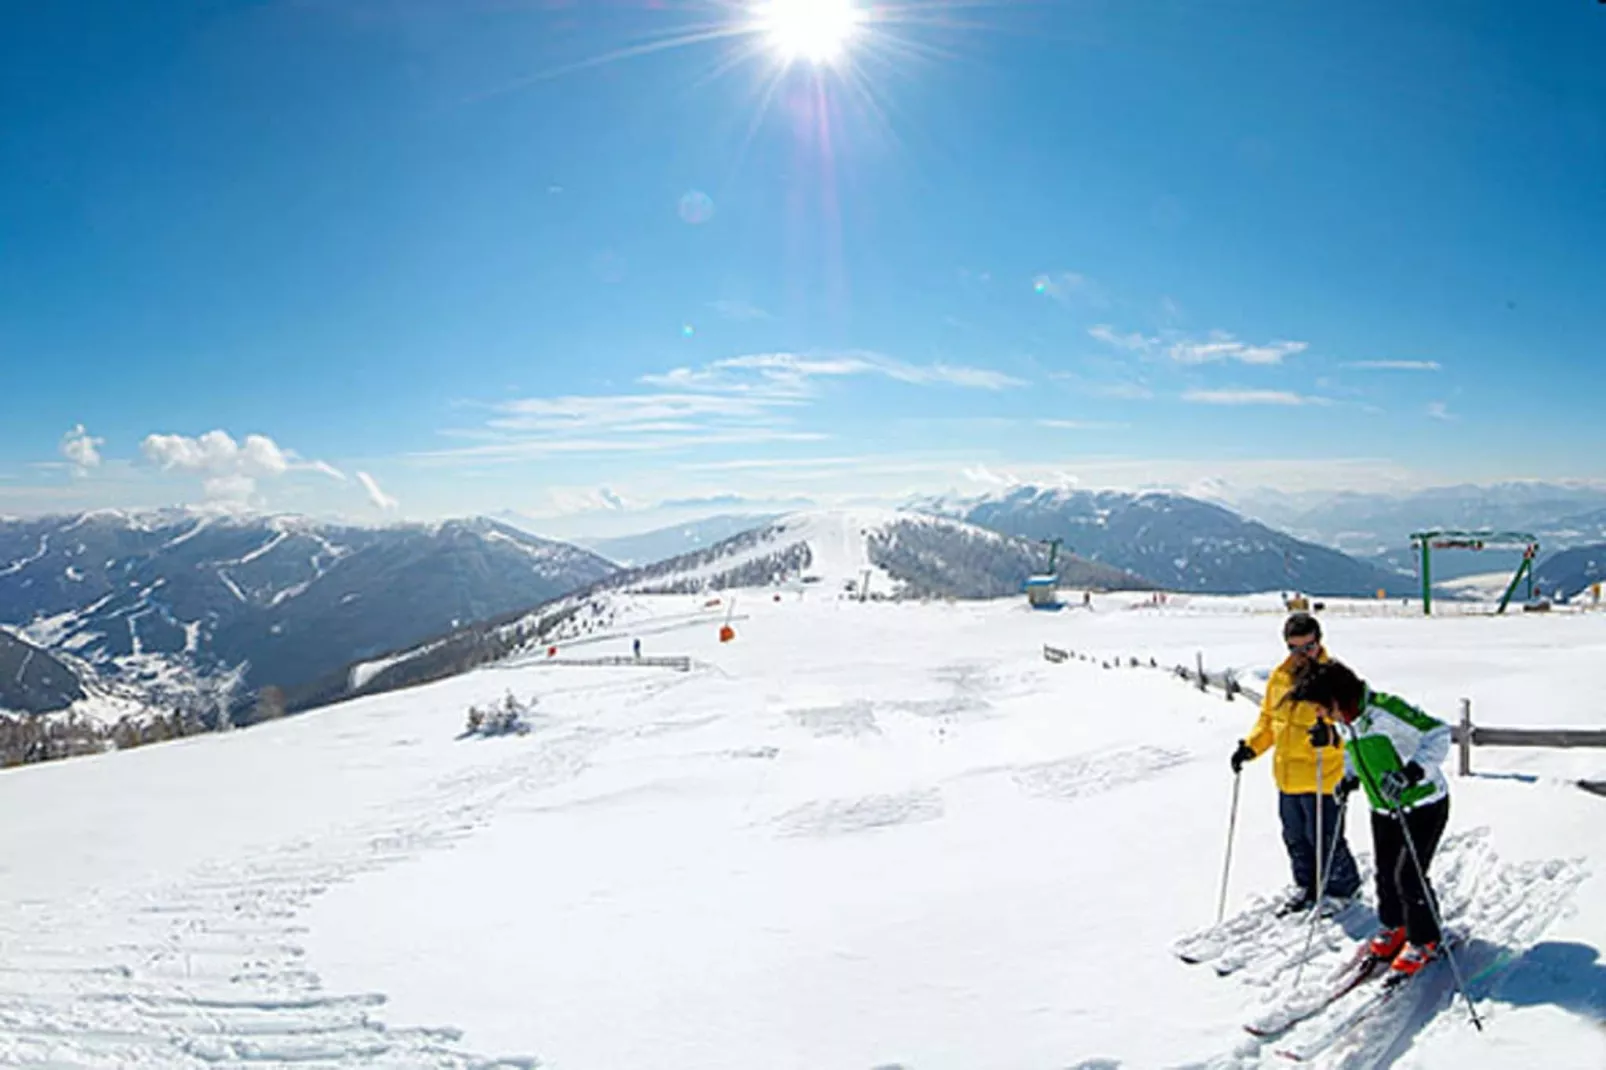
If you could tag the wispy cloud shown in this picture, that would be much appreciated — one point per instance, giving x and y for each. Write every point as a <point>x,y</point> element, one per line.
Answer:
<point>738,311</point>
<point>376,496</point>
<point>792,375</point>
<point>1081,425</point>
<point>746,400</point>
<point>566,500</point>
<point>1221,346</point>
<point>772,463</point>
<point>1251,397</point>
<point>1440,410</point>
<point>1213,347</point>
<point>83,450</point>
<point>1395,365</point>
<point>1135,341</point>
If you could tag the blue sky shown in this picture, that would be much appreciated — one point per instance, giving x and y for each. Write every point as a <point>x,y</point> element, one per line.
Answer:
<point>580,259</point>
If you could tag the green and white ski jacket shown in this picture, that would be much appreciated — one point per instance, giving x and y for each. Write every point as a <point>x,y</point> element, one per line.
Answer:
<point>1389,733</point>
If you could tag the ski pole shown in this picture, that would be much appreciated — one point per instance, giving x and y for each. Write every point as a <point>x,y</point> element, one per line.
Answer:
<point>1433,905</point>
<point>1315,906</point>
<point>1226,866</point>
<point>1321,891</point>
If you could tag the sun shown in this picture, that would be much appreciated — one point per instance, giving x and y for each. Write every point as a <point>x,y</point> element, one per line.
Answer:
<point>813,31</point>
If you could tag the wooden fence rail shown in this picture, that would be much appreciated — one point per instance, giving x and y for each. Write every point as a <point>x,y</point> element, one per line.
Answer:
<point>679,664</point>
<point>1464,733</point>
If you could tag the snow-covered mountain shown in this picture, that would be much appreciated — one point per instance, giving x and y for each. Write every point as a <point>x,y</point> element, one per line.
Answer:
<point>1372,525</point>
<point>141,596</point>
<point>650,547</point>
<point>903,555</point>
<point>1573,571</point>
<point>32,680</point>
<point>1179,542</point>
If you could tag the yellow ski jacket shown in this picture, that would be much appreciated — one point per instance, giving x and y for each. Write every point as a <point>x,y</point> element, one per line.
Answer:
<point>1286,725</point>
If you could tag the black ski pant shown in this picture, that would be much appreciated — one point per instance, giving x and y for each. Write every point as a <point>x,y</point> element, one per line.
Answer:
<point>1405,897</point>
<point>1299,815</point>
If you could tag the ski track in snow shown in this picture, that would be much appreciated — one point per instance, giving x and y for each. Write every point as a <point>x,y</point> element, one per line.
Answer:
<point>835,817</point>
<point>1086,774</point>
<point>219,978</point>
<point>1500,909</point>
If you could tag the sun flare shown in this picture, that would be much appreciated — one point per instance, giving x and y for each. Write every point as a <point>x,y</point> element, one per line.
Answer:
<point>813,31</point>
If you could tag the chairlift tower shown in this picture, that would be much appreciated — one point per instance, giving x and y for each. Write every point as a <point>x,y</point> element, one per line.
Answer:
<point>1428,541</point>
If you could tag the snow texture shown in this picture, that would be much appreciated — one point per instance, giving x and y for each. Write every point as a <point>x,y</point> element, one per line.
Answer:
<point>861,835</point>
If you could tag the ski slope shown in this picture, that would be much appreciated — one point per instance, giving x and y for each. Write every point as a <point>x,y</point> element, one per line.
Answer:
<point>859,836</point>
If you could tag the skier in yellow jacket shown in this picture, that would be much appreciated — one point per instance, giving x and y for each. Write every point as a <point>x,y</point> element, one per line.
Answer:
<point>1295,730</point>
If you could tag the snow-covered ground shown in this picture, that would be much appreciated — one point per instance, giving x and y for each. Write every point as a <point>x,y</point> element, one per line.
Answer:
<point>859,836</point>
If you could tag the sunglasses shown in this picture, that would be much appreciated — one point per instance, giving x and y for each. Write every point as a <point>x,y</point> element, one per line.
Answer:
<point>1305,648</point>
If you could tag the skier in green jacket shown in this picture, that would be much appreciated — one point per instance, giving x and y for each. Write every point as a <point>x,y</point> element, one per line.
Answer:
<point>1394,751</point>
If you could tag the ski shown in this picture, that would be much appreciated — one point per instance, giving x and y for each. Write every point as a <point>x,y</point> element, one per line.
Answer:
<point>1361,968</point>
<point>1314,1046</point>
<point>1392,988</point>
<point>1263,924</point>
<point>1255,952</point>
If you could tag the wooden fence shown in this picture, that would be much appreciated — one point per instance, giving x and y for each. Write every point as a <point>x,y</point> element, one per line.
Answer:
<point>679,664</point>
<point>1465,734</point>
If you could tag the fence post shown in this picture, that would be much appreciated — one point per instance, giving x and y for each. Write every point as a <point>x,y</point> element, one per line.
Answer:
<point>1466,737</point>
<point>1203,686</point>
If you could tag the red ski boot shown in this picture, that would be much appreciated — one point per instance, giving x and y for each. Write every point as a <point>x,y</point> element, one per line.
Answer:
<point>1412,958</point>
<point>1387,943</point>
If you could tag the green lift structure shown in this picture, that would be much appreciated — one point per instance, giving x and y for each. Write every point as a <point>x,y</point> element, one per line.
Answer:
<point>1428,541</point>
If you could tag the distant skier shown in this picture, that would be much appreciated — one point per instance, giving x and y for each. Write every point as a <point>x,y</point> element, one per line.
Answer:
<point>1394,751</point>
<point>1287,724</point>
<point>636,646</point>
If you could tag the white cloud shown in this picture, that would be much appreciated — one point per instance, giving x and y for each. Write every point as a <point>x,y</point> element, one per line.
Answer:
<point>229,470</point>
<point>980,473</point>
<point>327,469</point>
<point>376,495</point>
<point>1396,365</point>
<point>1250,397</point>
<point>770,463</point>
<point>744,400</point>
<point>569,500</point>
<point>234,488</point>
<point>1080,425</point>
<point>1135,341</point>
<point>1220,345</point>
<point>81,449</point>
<point>1440,410</point>
<point>216,453</point>
<point>792,375</point>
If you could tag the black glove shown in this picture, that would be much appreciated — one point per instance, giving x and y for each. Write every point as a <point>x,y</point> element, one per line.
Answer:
<point>1392,784</point>
<point>1413,772</point>
<point>1243,754</point>
<point>1322,735</point>
<point>1345,787</point>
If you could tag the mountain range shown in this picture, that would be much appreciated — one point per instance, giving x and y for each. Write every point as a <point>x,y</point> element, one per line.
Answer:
<point>1377,527</point>
<point>1178,542</point>
<point>32,680</point>
<point>165,600</point>
<point>874,554</point>
<point>661,544</point>
<point>141,597</point>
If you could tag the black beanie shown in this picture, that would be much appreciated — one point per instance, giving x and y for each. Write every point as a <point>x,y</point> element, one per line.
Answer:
<point>1301,624</point>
